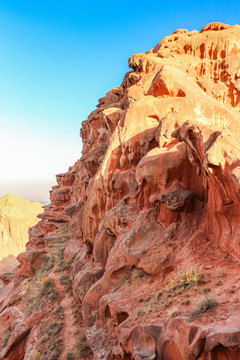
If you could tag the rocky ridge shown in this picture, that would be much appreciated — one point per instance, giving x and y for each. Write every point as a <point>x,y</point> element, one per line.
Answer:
<point>137,256</point>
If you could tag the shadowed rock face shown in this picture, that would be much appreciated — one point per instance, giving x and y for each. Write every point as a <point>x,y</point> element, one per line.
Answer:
<point>139,249</point>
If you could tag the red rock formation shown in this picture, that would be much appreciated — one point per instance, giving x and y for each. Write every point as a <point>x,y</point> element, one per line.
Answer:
<point>145,224</point>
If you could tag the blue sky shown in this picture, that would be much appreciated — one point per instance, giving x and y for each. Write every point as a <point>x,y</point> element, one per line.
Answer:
<point>57,58</point>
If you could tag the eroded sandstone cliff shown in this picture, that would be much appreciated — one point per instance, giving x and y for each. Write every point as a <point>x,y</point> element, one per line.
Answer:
<point>137,256</point>
<point>16,216</point>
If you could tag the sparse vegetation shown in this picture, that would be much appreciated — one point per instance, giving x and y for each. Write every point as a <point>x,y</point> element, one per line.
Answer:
<point>81,345</point>
<point>48,289</point>
<point>70,356</point>
<point>42,293</point>
<point>58,310</point>
<point>69,288</point>
<point>158,295</point>
<point>37,355</point>
<point>137,273</point>
<point>145,309</point>
<point>221,271</point>
<point>186,280</point>
<point>54,329</point>
<point>54,351</point>
<point>141,312</point>
<point>50,336</point>
<point>5,341</point>
<point>75,312</point>
<point>165,303</point>
<point>7,335</point>
<point>205,304</point>
<point>43,339</point>
<point>158,302</point>
<point>172,312</point>
<point>64,279</point>
<point>185,302</point>
<point>206,290</point>
<point>62,263</point>
<point>49,262</point>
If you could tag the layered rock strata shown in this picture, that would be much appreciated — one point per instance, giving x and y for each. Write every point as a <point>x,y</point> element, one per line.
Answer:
<point>137,256</point>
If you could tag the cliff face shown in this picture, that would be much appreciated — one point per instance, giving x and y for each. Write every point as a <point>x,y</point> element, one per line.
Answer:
<point>137,256</point>
<point>16,216</point>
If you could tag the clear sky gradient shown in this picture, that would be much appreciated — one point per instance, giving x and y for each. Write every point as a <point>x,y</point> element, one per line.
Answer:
<point>57,58</point>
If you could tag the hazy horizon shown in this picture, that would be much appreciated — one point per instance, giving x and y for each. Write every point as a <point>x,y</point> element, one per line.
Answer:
<point>28,191</point>
<point>21,195</point>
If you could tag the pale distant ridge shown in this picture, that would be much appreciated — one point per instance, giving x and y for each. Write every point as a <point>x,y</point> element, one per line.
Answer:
<point>16,216</point>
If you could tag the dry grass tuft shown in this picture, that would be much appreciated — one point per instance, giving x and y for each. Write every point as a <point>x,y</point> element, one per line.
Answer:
<point>173,312</point>
<point>205,304</point>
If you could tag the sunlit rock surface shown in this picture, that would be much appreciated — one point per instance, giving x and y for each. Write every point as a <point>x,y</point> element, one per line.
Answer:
<point>137,256</point>
<point>16,216</point>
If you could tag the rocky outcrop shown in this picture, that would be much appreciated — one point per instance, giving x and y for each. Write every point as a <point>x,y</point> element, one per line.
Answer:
<point>16,216</point>
<point>137,256</point>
